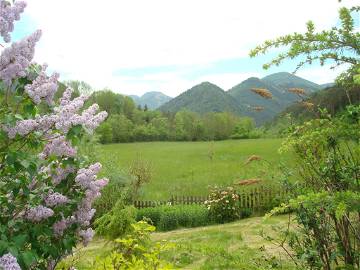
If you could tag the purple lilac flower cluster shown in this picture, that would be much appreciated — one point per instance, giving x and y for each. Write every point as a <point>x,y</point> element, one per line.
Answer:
<point>14,60</point>
<point>58,146</point>
<point>9,14</point>
<point>38,213</point>
<point>54,199</point>
<point>60,226</point>
<point>66,115</point>
<point>86,178</point>
<point>9,262</point>
<point>14,63</point>
<point>43,87</point>
<point>86,235</point>
<point>60,174</point>
<point>22,127</point>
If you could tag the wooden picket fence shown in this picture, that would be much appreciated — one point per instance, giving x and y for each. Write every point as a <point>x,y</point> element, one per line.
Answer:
<point>255,198</point>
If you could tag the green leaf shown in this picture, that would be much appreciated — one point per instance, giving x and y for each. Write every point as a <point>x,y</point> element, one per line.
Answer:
<point>19,240</point>
<point>14,251</point>
<point>29,257</point>
<point>3,246</point>
<point>10,158</point>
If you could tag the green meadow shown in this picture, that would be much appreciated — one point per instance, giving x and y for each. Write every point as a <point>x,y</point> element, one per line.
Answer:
<point>189,168</point>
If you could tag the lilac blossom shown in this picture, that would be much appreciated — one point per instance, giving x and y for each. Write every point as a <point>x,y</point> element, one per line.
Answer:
<point>14,60</point>
<point>58,146</point>
<point>8,14</point>
<point>66,97</point>
<point>60,226</point>
<point>92,123</point>
<point>39,213</point>
<point>86,235</point>
<point>60,174</point>
<point>68,113</point>
<point>9,262</point>
<point>84,214</point>
<point>43,87</point>
<point>45,122</point>
<point>55,199</point>
<point>22,127</point>
<point>85,176</point>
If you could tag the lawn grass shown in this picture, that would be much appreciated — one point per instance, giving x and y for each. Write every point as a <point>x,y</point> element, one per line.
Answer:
<point>186,168</point>
<point>236,245</point>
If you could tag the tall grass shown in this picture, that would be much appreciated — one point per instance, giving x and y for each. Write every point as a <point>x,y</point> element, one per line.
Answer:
<point>186,168</point>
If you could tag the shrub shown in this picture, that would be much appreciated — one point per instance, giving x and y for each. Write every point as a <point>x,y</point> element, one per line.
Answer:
<point>223,204</point>
<point>167,218</point>
<point>152,214</point>
<point>117,222</point>
<point>136,251</point>
<point>245,212</point>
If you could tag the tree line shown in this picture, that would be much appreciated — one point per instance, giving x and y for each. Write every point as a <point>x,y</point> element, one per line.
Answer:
<point>129,123</point>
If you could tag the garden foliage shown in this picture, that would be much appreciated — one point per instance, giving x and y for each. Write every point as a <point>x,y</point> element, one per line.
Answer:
<point>167,218</point>
<point>327,152</point>
<point>136,251</point>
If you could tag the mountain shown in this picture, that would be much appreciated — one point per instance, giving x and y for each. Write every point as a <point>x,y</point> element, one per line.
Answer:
<point>278,84</point>
<point>207,97</point>
<point>152,100</point>
<point>286,80</point>
<point>202,98</point>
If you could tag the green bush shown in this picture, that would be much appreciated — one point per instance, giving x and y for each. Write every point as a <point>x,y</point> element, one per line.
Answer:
<point>245,212</point>
<point>223,204</point>
<point>136,251</point>
<point>116,222</point>
<point>152,214</point>
<point>167,218</point>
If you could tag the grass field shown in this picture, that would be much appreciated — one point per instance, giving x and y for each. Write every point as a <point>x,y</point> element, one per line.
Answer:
<point>236,245</point>
<point>188,168</point>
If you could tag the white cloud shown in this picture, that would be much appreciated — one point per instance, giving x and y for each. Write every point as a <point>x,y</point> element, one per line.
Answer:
<point>321,75</point>
<point>89,40</point>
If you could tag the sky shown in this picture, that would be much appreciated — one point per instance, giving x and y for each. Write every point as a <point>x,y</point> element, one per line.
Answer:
<point>136,46</point>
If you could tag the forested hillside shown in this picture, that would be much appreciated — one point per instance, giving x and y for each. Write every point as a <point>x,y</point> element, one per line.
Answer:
<point>333,99</point>
<point>203,98</point>
<point>240,99</point>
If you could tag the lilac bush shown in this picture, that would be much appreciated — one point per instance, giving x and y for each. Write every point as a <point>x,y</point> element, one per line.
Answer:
<point>46,187</point>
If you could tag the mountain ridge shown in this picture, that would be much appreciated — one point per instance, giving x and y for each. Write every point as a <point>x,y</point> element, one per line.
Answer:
<point>195,99</point>
<point>152,99</point>
<point>202,98</point>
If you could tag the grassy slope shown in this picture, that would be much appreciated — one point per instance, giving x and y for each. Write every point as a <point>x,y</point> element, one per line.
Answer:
<point>185,168</point>
<point>234,245</point>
